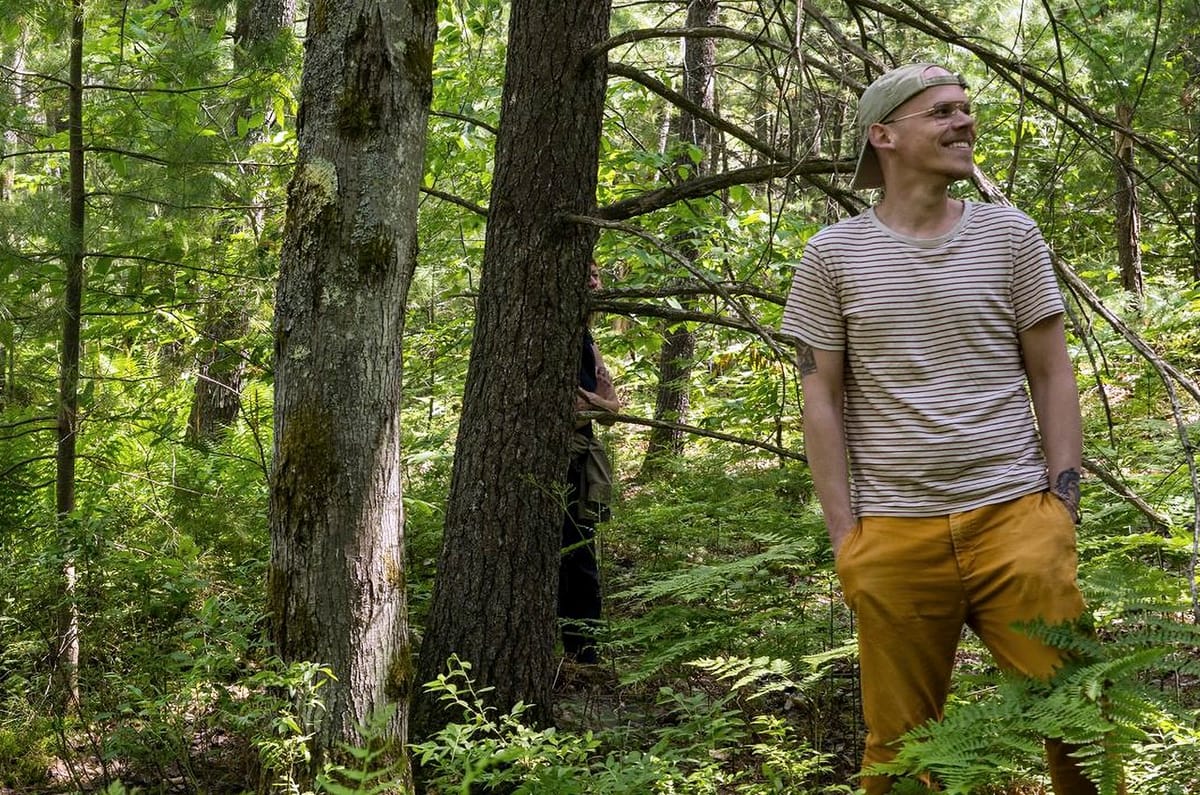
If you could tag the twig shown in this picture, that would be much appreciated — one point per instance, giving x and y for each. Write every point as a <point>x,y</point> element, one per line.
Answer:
<point>630,419</point>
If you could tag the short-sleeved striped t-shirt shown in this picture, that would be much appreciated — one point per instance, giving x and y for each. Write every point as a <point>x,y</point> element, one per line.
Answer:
<point>937,416</point>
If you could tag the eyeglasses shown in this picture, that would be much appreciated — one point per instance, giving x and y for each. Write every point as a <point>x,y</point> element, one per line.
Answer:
<point>942,112</point>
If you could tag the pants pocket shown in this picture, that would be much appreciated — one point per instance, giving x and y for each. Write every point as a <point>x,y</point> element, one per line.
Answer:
<point>842,561</point>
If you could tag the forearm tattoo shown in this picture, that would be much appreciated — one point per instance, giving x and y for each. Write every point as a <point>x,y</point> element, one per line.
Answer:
<point>1066,487</point>
<point>805,360</point>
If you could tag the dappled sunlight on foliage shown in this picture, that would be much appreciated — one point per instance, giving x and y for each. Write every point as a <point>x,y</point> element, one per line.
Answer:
<point>728,656</point>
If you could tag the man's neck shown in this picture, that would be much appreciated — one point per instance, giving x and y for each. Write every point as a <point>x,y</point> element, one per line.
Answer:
<point>919,214</point>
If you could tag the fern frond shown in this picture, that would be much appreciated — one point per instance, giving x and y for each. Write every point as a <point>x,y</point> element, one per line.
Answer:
<point>764,674</point>
<point>706,581</point>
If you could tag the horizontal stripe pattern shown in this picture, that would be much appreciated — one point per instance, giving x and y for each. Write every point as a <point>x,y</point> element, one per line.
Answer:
<point>938,418</point>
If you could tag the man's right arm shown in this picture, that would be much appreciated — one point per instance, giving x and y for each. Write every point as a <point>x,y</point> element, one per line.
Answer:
<point>821,374</point>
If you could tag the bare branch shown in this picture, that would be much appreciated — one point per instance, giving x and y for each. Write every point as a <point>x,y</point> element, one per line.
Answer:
<point>177,264</point>
<point>162,89</point>
<point>694,431</point>
<point>21,464</point>
<point>718,32</point>
<point>1015,73</point>
<point>452,199</point>
<point>708,185</point>
<point>175,205</point>
<point>1122,489</point>
<point>683,316</point>
<point>445,114</point>
<point>737,306</point>
<point>686,289</point>
<point>836,34</point>
<point>712,119</point>
<point>842,197</point>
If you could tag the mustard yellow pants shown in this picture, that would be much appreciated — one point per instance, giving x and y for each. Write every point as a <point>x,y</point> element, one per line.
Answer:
<point>914,582</point>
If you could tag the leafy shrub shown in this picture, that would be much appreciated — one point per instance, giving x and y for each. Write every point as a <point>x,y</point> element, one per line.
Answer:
<point>705,745</point>
<point>24,759</point>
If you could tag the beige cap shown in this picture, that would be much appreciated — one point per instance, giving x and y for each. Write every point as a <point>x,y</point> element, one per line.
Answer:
<point>889,91</point>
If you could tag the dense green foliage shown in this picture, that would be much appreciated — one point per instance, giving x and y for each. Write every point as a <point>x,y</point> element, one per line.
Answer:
<point>730,664</point>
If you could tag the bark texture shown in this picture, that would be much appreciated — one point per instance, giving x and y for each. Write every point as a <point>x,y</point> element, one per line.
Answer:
<point>676,357</point>
<point>1128,214</point>
<point>495,597</point>
<point>336,582</point>
<point>220,367</point>
<point>66,658</point>
<point>259,21</point>
<point>220,364</point>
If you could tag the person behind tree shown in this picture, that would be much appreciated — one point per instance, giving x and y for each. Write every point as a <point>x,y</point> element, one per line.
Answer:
<point>588,483</point>
<point>948,501</point>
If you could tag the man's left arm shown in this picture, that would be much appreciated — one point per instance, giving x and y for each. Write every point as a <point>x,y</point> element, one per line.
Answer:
<point>1056,404</point>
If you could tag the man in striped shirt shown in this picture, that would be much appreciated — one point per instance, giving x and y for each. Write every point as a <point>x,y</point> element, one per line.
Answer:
<point>941,415</point>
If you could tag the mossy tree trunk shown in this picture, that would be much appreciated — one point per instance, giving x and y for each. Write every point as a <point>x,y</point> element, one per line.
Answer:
<point>336,582</point>
<point>495,596</point>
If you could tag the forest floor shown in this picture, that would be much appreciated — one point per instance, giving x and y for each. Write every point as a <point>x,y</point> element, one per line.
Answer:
<point>590,697</point>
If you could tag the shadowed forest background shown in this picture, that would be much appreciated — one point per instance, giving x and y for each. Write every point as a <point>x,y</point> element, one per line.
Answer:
<point>291,298</point>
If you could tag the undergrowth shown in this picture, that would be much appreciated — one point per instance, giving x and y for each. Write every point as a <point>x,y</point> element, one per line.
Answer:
<point>731,652</point>
<point>706,745</point>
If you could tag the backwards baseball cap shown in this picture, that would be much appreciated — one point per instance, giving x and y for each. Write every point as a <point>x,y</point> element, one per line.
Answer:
<point>889,91</point>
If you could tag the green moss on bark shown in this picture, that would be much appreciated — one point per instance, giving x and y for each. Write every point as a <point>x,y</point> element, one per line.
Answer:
<point>401,675</point>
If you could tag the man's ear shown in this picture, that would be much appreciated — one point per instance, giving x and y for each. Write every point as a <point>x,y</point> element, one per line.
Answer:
<point>880,136</point>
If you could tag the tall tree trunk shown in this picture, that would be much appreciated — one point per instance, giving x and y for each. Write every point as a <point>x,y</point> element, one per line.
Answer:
<point>257,25</point>
<point>67,657</point>
<point>1195,127</point>
<point>495,596</point>
<point>336,580</point>
<point>679,342</point>
<point>1196,198</point>
<point>1128,215</point>
<point>220,365</point>
<point>15,97</point>
<point>216,397</point>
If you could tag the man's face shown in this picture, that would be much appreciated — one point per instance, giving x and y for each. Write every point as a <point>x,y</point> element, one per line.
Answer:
<point>593,280</point>
<point>931,134</point>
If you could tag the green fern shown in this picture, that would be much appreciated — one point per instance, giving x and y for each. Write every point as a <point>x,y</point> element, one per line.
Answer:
<point>762,676</point>
<point>708,581</point>
<point>765,674</point>
<point>1099,701</point>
